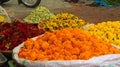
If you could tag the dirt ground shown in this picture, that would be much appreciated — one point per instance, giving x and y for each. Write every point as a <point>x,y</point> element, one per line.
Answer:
<point>92,14</point>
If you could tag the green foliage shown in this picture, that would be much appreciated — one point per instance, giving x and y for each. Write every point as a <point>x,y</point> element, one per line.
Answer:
<point>112,2</point>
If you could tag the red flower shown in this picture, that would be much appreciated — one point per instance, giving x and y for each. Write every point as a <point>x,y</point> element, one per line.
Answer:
<point>12,34</point>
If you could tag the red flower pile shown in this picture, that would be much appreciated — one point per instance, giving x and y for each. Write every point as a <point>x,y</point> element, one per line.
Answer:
<point>12,34</point>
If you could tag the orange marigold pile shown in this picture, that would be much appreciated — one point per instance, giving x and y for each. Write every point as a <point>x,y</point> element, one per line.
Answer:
<point>65,44</point>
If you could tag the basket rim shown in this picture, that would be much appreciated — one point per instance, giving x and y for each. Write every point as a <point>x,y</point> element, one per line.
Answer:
<point>6,51</point>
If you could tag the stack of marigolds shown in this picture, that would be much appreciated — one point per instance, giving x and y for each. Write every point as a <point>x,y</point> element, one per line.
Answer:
<point>107,31</point>
<point>63,20</point>
<point>65,44</point>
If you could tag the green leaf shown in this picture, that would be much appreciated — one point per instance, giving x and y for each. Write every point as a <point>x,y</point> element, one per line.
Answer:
<point>11,63</point>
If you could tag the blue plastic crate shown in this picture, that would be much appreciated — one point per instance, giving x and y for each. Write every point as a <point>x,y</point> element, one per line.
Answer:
<point>102,3</point>
<point>98,1</point>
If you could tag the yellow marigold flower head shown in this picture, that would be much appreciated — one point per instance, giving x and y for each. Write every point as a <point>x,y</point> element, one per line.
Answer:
<point>2,18</point>
<point>64,20</point>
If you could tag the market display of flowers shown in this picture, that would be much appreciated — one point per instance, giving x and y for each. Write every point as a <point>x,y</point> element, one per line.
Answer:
<point>58,37</point>
<point>107,31</point>
<point>65,44</point>
<point>63,20</point>
<point>14,33</point>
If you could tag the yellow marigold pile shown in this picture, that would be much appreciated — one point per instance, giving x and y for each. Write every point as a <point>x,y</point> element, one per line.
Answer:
<point>108,31</point>
<point>63,20</point>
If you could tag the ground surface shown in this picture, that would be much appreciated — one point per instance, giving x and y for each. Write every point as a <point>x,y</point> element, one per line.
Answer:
<point>93,14</point>
<point>88,13</point>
